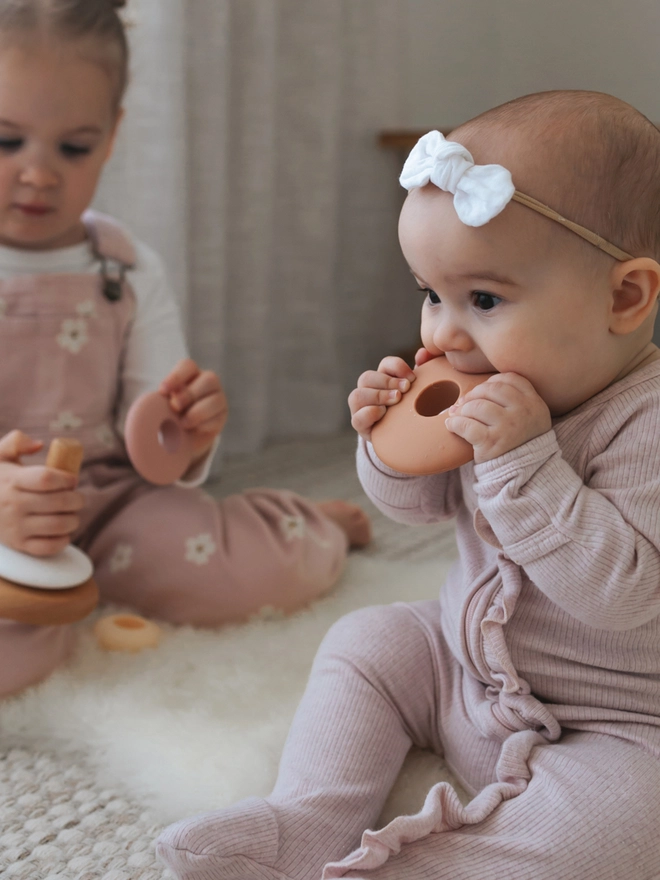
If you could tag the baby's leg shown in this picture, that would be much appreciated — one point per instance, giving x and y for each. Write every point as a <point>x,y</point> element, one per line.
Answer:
<point>372,692</point>
<point>589,811</point>
<point>29,654</point>
<point>179,555</point>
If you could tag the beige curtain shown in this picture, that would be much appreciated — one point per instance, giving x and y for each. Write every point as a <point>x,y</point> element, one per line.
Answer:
<point>249,159</point>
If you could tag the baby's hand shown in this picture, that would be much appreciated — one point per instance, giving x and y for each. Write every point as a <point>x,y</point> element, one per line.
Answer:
<point>499,415</point>
<point>198,397</point>
<point>38,505</point>
<point>376,390</point>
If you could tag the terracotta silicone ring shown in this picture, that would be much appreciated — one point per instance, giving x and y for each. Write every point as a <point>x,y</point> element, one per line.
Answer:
<point>158,446</point>
<point>126,632</point>
<point>412,437</point>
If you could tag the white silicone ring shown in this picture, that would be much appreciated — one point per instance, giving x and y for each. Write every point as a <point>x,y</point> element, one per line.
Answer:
<point>67,569</point>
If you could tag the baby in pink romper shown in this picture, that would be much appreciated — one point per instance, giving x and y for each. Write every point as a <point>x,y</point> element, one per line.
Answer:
<point>87,324</point>
<point>537,674</point>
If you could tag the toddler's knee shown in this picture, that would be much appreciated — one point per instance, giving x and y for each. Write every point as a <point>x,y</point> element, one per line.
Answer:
<point>29,654</point>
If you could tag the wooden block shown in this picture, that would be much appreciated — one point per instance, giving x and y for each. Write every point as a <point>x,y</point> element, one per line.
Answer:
<point>47,607</point>
<point>65,454</point>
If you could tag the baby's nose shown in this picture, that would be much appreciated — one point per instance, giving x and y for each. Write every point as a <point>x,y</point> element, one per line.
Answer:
<point>450,336</point>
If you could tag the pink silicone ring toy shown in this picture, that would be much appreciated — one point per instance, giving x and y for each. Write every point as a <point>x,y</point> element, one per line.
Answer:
<point>158,447</point>
<point>412,437</point>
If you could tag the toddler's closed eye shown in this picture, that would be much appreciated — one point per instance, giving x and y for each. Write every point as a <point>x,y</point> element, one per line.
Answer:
<point>72,151</point>
<point>10,145</point>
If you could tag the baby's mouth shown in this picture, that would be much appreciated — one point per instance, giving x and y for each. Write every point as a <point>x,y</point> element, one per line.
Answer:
<point>469,364</point>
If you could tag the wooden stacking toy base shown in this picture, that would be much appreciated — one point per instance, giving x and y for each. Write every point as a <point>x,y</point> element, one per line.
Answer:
<point>52,590</point>
<point>47,607</point>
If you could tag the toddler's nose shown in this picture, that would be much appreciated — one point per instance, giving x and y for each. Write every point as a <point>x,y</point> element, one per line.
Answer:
<point>39,175</point>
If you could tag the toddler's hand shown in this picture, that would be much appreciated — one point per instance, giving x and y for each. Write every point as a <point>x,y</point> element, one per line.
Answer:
<point>199,398</point>
<point>376,390</point>
<point>499,415</point>
<point>38,504</point>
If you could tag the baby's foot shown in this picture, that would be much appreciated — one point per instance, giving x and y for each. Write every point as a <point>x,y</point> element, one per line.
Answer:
<point>253,840</point>
<point>351,519</point>
<point>240,843</point>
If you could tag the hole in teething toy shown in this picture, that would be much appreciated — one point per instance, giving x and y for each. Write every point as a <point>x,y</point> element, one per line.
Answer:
<point>129,622</point>
<point>437,397</point>
<point>169,436</point>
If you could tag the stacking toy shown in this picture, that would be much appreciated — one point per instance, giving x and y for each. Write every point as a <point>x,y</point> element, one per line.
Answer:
<point>159,448</point>
<point>412,437</point>
<point>126,632</point>
<point>47,591</point>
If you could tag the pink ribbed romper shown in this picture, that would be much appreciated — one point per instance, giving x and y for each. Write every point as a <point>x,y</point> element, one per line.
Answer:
<point>536,675</point>
<point>172,553</point>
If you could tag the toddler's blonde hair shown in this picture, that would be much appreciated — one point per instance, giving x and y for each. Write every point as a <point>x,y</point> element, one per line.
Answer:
<point>94,23</point>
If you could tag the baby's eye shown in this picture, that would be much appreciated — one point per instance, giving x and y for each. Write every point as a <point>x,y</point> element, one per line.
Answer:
<point>432,295</point>
<point>10,145</point>
<point>485,301</point>
<point>72,151</point>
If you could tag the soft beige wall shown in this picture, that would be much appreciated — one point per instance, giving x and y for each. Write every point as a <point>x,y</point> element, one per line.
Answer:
<point>464,56</point>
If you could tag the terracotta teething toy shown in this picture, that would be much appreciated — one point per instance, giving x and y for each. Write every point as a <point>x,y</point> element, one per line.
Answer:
<point>158,446</point>
<point>51,590</point>
<point>412,437</point>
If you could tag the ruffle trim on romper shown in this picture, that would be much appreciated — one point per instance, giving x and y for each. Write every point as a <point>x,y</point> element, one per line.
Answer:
<point>443,811</point>
<point>512,705</point>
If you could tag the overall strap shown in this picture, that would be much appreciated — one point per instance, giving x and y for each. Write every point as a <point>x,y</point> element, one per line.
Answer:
<point>114,248</point>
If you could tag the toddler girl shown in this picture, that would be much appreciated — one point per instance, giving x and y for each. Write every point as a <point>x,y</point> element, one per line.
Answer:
<point>537,674</point>
<point>87,324</point>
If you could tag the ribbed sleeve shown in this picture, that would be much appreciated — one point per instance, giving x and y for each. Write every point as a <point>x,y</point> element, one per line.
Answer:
<point>591,547</point>
<point>404,498</point>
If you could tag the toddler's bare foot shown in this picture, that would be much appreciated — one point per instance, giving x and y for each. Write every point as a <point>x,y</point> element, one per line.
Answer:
<point>351,518</point>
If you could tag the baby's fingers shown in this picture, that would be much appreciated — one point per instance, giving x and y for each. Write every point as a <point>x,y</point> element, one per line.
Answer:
<point>372,397</point>
<point>396,367</point>
<point>364,419</point>
<point>471,430</point>
<point>382,381</point>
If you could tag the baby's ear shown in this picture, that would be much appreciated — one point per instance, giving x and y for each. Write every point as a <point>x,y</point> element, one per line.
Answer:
<point>635,285</point>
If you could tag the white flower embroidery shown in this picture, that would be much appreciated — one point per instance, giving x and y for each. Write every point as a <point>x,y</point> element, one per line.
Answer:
<point>121,558</point>
<point>65,421</point>
<point>87,308</point>
<point>106,435</point>
<point>292,527</point>
<point>3,307</point>
<point>73,334</point>
<point>200,549</point>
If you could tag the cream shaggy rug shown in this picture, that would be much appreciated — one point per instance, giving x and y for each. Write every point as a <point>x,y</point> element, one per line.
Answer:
<point>111,748</point>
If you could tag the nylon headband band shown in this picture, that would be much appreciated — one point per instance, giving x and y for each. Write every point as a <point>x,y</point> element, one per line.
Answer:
<point>584,233</point>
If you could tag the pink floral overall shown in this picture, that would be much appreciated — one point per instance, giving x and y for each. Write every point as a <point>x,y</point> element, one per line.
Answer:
<point>172,552</point>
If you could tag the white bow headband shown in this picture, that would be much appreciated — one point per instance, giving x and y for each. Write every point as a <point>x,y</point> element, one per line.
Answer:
<point>480,192</point>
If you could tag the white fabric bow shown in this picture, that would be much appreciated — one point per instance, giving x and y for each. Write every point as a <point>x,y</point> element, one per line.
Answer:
<point>480,191</point>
